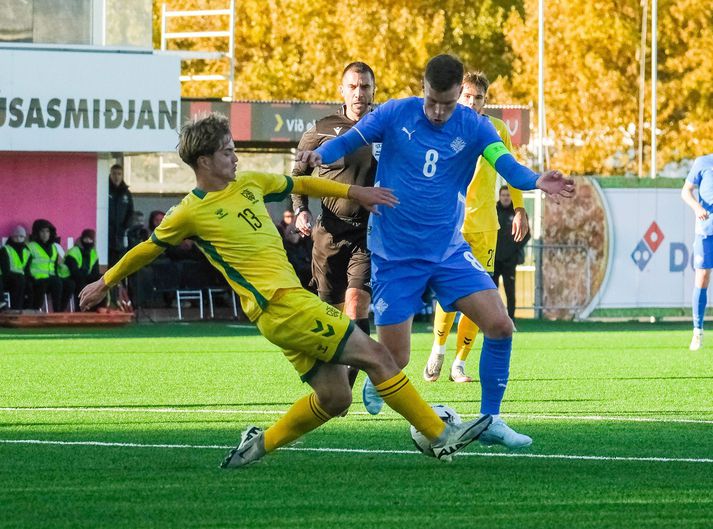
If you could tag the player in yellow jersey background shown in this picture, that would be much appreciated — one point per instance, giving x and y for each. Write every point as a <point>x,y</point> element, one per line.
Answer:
<point>226,216</point>
<point>480,230</point>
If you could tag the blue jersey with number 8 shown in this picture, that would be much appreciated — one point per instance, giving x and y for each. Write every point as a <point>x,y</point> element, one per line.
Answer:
<point>429,169</point>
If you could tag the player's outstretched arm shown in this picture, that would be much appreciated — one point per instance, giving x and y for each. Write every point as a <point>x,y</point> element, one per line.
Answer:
<point>135,259</point>
<point>92,294</point>
<point>555,185</point>
<point>370,197</point>
<point>310,158</point>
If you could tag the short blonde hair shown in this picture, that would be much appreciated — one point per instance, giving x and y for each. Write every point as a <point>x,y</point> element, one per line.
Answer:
<point>202,135</point>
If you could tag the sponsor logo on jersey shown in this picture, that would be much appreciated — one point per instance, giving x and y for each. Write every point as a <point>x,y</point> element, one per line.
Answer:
<point>408,133</point>
<point>221,213</point>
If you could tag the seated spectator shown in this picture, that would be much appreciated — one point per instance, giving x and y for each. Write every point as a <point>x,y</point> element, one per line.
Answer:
<point>155,218</point>
<point>15,267</point>
<point>137,232</point>
<point>62,271</point>
<point>82,261</point>
<point>297,247</point>
<point>43,266</point>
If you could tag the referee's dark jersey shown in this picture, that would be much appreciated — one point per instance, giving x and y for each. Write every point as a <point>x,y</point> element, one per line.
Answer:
<point>358,167</point>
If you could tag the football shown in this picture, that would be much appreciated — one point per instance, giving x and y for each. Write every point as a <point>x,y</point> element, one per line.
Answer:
<point>447,415</point>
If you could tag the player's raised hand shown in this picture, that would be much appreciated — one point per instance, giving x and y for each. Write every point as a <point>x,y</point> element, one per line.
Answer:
<point>311,158</point>
<point>555,185</point>
<point>369,197</point>
<point>92,294</point>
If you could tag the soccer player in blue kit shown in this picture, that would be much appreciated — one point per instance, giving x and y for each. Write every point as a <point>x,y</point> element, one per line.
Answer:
<point>430,147</point>
<point>701,176</point>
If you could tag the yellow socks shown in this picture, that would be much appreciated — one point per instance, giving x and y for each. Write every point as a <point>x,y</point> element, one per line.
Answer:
<point>402,397</point>
<point>442,323</point>
<point>304,416</point>
<point>467,331</point>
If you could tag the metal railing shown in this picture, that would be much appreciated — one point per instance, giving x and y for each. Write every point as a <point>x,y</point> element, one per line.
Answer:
<point>554,278</point>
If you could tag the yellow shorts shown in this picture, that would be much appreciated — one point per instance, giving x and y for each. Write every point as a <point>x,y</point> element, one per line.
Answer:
<point>483,244</point>
<point>308,330</point>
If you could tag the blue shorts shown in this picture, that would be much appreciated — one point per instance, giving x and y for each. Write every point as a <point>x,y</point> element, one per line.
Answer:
<point>397,286</point>
<point>703,252</point>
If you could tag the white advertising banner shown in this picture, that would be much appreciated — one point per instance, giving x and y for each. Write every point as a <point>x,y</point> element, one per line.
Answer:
<point>653,233</point>
<point>88,101</point>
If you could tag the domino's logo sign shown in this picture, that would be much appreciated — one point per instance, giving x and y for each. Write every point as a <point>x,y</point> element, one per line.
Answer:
<point>647,246</point>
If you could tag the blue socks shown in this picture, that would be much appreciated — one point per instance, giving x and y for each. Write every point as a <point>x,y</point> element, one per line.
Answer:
<point>494,373</point>
<point>700,299</point>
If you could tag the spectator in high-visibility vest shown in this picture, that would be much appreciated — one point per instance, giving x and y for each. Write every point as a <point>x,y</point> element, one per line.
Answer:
<point>62,270</point>
<point>15,267</point>
<point>43,266</point>
<point>82,261</point>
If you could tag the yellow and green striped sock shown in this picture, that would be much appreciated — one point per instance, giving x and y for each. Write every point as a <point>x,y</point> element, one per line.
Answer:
<point>402,397</point>
<point>303,416</point>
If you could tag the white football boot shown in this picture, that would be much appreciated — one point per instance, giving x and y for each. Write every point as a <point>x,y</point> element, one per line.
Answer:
<point>433,367</point>
<point>458,374</point>
<point>501,434</point>
<point>696,340</point>
<point>372,400</point>
<point>250,450</point>
<point>457,436</point>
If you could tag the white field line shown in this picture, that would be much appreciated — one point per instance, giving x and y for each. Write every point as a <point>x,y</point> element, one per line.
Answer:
<point>531,417</point>
<point>365,451</point>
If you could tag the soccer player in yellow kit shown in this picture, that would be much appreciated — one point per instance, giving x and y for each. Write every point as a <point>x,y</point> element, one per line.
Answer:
<point>226,217</point>
<point>480,230</point>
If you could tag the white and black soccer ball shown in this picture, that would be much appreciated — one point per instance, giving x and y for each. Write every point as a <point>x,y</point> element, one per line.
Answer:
<point>447,414</point>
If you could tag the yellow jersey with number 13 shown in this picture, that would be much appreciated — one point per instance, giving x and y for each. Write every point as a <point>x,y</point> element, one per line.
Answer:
<point>234,230</point>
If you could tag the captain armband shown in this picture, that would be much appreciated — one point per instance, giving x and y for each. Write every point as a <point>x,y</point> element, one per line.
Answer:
<point>494,151</point>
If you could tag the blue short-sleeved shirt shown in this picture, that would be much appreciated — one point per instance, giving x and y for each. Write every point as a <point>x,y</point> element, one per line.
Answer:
<point>701,175</point>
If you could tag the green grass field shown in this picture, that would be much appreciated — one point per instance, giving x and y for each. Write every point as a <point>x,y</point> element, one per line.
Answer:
<point>124,428</point>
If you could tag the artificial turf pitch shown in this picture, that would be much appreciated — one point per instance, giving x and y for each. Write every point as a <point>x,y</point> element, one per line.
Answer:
<point>621,416</point>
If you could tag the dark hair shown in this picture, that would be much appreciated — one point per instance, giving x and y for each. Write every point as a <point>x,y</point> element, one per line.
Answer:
<point>116,166</point>
<point>42,224</point>
<point>477,79</point>
<point>152,219</point>
<point>443,72</point>
<point>202,135</point>
<point>359,67</point>
<point>504,188</point>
